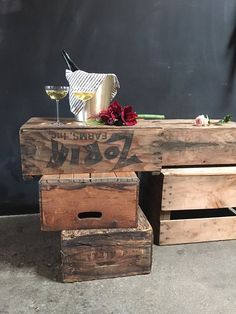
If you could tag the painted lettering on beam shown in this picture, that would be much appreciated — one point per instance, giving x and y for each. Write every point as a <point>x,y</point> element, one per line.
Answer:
<point>92,152</point>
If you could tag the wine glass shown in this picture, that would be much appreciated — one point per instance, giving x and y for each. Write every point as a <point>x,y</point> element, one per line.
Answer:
<point>57,93</point>
<point>84,96</point>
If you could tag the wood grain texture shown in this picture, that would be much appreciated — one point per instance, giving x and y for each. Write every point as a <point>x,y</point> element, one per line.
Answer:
<point>91,201</point>
<point>71,149</point>
<point>105,253</point>
<point>185,144</point>
<point>147,146</point>
<point>199,188</point>
<point>197,230</point>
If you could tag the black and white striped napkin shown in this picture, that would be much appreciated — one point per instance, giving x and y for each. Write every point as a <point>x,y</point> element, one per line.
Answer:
<point>84,81</point>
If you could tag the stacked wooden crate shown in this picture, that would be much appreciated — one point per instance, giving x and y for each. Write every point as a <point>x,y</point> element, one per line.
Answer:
<point>103,231</point>
<point>196,167</point>
<point>192,199</point>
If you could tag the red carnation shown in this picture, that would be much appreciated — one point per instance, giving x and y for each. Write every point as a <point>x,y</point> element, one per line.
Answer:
<point>112,115</point>
<point>129,116</point>
<point>115,114</point>
<point>115,110</point>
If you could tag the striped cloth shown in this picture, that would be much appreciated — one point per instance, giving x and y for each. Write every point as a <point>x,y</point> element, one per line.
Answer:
<point>84,81</point>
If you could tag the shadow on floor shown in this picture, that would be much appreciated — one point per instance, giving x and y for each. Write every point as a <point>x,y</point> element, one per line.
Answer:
<point>22,244</point>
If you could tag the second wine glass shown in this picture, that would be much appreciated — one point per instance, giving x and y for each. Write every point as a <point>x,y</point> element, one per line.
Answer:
<point>84,96</point>
<point>57,93</point>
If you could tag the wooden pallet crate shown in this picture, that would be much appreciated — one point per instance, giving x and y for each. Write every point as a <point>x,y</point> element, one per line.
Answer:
<point>106,253</point>
<point>180,193</point>
<point>87,201</point>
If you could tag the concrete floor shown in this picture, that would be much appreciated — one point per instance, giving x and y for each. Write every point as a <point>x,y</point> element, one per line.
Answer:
<point>193,278</point>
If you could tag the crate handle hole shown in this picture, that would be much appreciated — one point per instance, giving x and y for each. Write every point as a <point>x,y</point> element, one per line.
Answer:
<point>89,215</point>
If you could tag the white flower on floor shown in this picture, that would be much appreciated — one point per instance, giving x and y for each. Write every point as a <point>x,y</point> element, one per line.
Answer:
<point>202,120</point>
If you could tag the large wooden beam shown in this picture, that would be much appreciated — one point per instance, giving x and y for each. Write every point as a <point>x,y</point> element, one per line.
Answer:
<point>147,146</point>
<point>47,149</point>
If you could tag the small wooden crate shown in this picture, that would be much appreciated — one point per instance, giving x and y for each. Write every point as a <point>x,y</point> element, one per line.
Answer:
<point>106,253</point>
<point>184,192</point>
<point>85,201</point>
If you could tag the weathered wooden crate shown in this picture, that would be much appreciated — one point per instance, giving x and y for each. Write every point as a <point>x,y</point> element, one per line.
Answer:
<point>105,253</point>
<point>184,144</point>
<point>176,196</point>
<point>146,146</point>
<point>72,148</point>
<point>85,201</point>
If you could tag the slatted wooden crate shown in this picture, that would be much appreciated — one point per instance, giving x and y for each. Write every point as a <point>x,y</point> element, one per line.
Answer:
<point>182,192</point>
<point>95,200</point>
<point>105,253</point>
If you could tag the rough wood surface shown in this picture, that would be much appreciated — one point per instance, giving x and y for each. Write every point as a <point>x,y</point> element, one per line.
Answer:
<point>71,149</point>
<point>199,188</point>
<point>106,253</point>
<point>197,230</point>
<point>91,202</point>
<point>147,146</point>
<point>184,143</point>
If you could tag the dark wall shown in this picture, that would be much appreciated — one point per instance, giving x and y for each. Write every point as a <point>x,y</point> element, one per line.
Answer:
<point>170,56</point>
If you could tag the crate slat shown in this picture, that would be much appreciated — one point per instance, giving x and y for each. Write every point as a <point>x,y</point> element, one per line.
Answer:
<point>197,230</point>
<point>199,188</point>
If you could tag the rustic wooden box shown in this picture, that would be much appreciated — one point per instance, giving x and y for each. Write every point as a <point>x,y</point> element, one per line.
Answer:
<point>184,144</point>
<point>146,146</point>
<point>105,253</point>
<point>85,201</point>
<point>183,192</point>
<point>72,148</point>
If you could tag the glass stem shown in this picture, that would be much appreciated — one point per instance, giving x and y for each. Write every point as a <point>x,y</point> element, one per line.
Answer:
<point>83,113</point>
<point>57,102</point>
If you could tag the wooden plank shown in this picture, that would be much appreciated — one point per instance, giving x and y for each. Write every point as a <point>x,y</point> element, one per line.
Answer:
<point>126,176</point>
<point>185,144</point>
<point>199,188</point>
<point>50,179</point>
<point>49,150</point>
<point>199,171</point>
<point>106,253</point>
<point>85,202</point>
<point>103,177</point>
<point>65,178</point>
<point>197,230</point>
<point>81,177</point>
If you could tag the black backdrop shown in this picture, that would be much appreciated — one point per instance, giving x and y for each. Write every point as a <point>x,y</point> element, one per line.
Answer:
<point>173,57</point>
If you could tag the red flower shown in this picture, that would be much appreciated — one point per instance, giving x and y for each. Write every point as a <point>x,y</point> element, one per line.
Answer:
<point>128,116</point>
<point>115,114</point>
<point>115,110</point>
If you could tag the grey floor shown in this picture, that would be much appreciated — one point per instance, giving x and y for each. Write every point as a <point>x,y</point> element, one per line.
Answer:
<point>193,278</point>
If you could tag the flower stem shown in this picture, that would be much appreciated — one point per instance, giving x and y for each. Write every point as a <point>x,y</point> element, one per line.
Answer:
<point>151,116</point>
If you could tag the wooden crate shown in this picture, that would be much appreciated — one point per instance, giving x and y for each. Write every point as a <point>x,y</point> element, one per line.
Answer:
<point>72,148</point>
<point>146,146</point>
<point>182,192</point>
<point>85,201</point>
<point>105,253</point>
<point>184,144</point>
